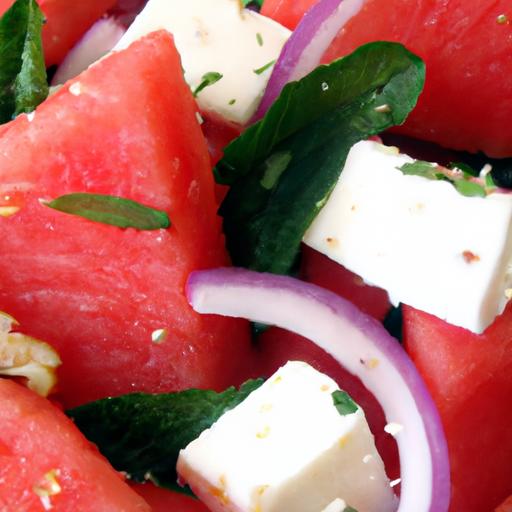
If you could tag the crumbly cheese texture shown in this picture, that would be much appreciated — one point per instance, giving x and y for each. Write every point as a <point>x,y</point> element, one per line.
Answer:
<point>217,36</point>
<point>287,448</point>
<point>421,240</point>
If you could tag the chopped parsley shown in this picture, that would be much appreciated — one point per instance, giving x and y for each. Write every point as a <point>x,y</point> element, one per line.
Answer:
<point>343,403</point>
<point>465,184</point>
<point>264,68</point>
<point>208,79</point>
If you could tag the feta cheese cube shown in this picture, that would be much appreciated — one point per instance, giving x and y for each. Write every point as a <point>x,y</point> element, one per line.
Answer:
<point>287,448</point>
<point>421,240</point>
<point>217,36</point>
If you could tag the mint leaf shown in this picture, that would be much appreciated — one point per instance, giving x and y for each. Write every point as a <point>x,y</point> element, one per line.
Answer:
<point>142,434</point>
<point>23,84</point>
<point>112,210</point>
<point>207,79</point>
<point>311,127</point>
<point>343,403</point>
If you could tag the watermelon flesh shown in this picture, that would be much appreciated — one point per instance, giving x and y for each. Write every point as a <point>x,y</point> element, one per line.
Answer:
<point>470,379</point>
<point>96,293</point>
<point>45,462</point>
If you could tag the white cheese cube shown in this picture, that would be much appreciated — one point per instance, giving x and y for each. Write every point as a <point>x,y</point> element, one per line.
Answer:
<point>217,36</point>
<point>287,448</point>
<point>421,240</point>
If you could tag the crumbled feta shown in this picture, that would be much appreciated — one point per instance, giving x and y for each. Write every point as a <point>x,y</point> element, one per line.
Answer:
<point>287,448</point>
<point>421,240</point>
<point>217,36</point>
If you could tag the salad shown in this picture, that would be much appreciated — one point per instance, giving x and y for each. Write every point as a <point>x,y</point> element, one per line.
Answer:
<point>198,196</point>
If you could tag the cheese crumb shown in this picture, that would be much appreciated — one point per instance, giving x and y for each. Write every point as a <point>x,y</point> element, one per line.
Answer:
<point>393,428</point>
<point>75,89</point>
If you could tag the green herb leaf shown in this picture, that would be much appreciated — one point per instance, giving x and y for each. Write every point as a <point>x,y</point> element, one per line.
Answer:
<point>259,39</point>
<point>142,434</point>
<point>207,79</point>
<point>423,169</point>
<point>489,182</point>
<point>350,509</point>
<point>258,4</point>
<point>466,169</point>
<point>343,403</point>
<point>283,168</point>
<point>469,188</point>
<point>264,68</point>
<point>23,84</point>
<point>116,211</point>
<point>431,171</point>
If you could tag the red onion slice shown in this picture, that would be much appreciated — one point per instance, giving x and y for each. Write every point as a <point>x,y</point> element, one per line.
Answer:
<point>96,43</point>
<point>361,345</point>
<point>306,46</point>
<point>125,11</point>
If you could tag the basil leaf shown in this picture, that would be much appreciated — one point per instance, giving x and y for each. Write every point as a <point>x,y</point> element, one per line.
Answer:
<point>343,403</point>
<point>142,434</point>
<point>112,210</point>
<point>208,79</point>
<point>283,168</point>
<point>23,84</point>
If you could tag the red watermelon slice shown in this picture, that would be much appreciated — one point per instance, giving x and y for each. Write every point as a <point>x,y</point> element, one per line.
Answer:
<point>46,463</point>
<point>470,378</point>
<point>97,293</point>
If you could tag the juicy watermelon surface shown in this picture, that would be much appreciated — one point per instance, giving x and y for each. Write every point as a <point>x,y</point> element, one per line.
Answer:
<point>469,377</point>
<point>40,446</point>
<point>466,102</point>
<point>95,292</point>
<point>466,47</point>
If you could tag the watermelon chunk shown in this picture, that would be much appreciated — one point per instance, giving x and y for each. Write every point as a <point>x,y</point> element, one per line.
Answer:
<point>287,12</point>
<point>470,379</point>
<point>45,462</point>
<point>125,127</point>
<point>466,48</point>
